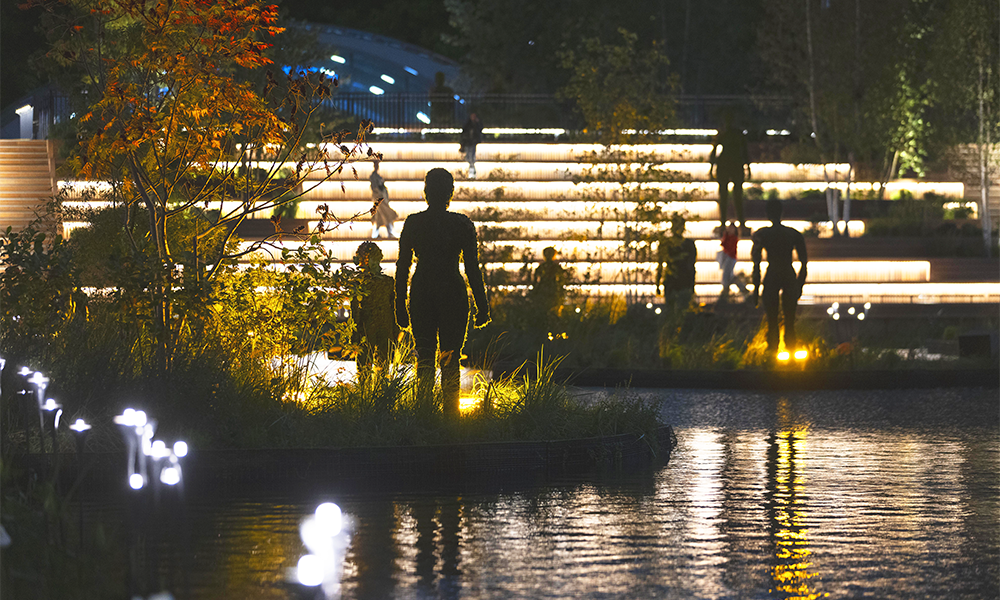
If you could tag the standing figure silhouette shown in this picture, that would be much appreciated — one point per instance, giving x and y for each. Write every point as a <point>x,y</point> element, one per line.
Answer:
<point>729,162</point>
<point>472,134</point>
<point>778,241</point>
<point>438,297</point>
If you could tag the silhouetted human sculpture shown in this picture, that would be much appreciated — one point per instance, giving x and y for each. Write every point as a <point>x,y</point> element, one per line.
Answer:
<point>779,241</point>
<point>472,134</point>
<point>728,160</point>
<point>442,102</point>
<point>675,261</point>
<point>375,327</point>
<point>383,216</point>
<point>548,285</point>
<point>439,301</point>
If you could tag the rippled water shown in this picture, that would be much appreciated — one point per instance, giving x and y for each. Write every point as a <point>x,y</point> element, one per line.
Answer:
<point>800,495</point>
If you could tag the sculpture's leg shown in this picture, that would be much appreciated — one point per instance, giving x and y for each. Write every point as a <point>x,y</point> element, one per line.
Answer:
<point>452,340</point>
<point>425,340</point>
<point>771,307</point>
<point>723,201</point>
<point>789,303</point>
<point>738,201</point>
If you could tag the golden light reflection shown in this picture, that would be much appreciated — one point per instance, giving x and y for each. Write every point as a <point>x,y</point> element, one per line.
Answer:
<point>793,571</point>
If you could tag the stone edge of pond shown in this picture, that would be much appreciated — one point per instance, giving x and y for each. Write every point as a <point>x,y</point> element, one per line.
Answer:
<point>784,380</point>
<point>304,469</point>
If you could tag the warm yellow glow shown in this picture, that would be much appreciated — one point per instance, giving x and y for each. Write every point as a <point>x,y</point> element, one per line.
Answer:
<point>783,356</point>
<point>468,403</point>
<point>801,354</point>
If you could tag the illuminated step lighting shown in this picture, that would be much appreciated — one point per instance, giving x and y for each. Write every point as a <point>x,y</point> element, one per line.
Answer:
<point>709,272</point>
<point>554,131</point>
<point>564,171</point>
<point>514,152</point>
<point>609,274</point>
<point>349,189</point>
<point>825,293</point>
<point>601,264</point>
<point>550,232</point>
<point>813,294</point>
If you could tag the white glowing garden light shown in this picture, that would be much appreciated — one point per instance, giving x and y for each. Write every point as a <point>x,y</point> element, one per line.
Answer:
<point>40,382</point>
<point>53,408</point>
<point>137,430</point>
<point>80,429</point>
<point>80,426</point>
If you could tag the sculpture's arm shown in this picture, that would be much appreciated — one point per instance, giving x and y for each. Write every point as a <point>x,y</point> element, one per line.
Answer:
<point>470,255</point>
<point>800,250</point>
<point>756,252</point>
<point>403,276</point>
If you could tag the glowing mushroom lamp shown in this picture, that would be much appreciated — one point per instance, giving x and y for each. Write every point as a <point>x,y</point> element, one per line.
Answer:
<point>80,429</point>
<point>40,382</point>
<point>138,433</point>
<point>53,411</point>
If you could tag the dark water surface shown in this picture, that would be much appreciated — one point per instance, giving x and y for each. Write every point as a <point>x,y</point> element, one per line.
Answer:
<point>876,494</point>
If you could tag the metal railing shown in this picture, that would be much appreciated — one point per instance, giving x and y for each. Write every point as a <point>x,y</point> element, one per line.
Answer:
<point>415,111</point>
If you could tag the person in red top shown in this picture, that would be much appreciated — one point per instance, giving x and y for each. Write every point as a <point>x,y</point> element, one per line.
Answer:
<point>727,260</point>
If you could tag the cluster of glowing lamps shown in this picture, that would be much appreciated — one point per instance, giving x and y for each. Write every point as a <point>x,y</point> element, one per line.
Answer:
<point>861,315</point>
<point>147,457</point>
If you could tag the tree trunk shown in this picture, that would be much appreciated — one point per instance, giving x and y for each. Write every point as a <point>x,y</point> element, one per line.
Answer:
<point>984,181</point>
<point>847,195</point>
<point>831,207</point>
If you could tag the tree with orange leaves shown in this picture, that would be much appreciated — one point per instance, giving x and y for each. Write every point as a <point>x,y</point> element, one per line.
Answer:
<point>172,118</point>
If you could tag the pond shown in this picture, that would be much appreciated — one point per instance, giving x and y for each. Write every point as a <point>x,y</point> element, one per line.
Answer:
<point>881,494</point>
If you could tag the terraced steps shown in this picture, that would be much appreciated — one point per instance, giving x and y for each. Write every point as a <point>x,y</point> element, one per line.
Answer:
<point>27,181</point>
<point>525,199</point>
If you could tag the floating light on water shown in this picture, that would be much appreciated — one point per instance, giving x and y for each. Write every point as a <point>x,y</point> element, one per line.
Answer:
<point>180,449</point>
<point>330,518</point>
<point>136,481</point>
<point>310,570</point>
<point>861,316</point>
<point>325,534</point>
<point>657,311</point>
<point>836,316</point>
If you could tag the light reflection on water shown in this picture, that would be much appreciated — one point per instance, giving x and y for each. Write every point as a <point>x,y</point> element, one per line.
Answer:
<point>795,496</point>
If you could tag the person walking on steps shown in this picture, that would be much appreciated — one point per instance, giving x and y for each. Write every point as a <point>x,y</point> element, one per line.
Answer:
<point>472,134</point>
<point>382,215</point>
<point>438,308</point>
<point>727,260</point>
